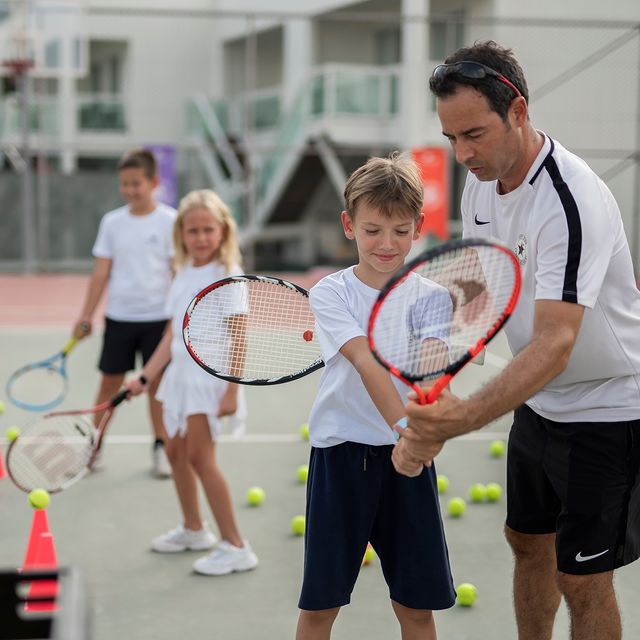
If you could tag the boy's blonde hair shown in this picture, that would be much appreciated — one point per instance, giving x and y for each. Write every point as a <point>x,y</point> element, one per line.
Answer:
<point>390,185</point>
<point>228,252</point>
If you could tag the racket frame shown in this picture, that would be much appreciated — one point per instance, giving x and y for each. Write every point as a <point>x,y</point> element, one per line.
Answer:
<point>446,374</point>
<point>108,406</point>
<point>47,363</point>
<point>318,364</point>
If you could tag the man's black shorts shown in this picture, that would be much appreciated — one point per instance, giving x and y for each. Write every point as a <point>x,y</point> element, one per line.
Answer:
<point>581,481</point>
<point>123,340</point>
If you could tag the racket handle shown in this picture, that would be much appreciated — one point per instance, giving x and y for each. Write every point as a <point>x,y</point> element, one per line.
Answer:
<point>69,346</point>
<point>119,397</point>
<point>402,423</point>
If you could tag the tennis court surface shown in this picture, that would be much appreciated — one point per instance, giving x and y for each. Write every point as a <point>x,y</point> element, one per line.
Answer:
<point>105,523</point>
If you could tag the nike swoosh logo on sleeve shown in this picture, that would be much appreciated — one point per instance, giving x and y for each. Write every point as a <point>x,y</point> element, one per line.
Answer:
<point>475,219</point>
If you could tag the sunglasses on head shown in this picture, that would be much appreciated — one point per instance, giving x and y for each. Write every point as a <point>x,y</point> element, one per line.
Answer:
<point>472,71</point>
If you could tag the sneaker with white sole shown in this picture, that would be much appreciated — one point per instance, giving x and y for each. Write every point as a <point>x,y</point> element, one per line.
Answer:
<point>181,539</point>
<point>160,467</point>
<point>225,559</point>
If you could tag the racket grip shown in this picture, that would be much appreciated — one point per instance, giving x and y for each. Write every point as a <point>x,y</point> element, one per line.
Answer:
<point>402,423</point>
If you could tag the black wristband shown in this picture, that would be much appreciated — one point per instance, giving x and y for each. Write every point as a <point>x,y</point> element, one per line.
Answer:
<point>143,380</point>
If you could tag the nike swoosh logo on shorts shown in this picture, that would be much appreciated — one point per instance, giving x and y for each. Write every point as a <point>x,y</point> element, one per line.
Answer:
<point>475,219</point>
<point>581,558</point>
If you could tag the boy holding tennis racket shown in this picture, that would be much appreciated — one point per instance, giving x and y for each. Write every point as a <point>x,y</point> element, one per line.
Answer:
<point>354,495</point>
<point>573,466</point>
<point>133,252</point>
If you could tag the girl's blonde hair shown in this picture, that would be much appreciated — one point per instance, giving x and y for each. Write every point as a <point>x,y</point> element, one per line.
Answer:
<point>228,252</point>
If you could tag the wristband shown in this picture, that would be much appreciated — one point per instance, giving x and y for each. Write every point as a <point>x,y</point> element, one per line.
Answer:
<point>143,380</point>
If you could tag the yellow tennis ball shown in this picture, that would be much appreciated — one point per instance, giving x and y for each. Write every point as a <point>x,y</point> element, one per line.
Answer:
<point>304,431</point>
<point>298,525</point>
<point>303,473</point>
<point>477,492</point>
<point>369,554</point>
<point>1,407</point>
<point>443,483</point>
<point>39,498</point>
<point>13,433</point>
<point>255,496</point>
<point>456,507</point>
<point>497,448</point>
<point>466,594</point>
<point>494,491</point>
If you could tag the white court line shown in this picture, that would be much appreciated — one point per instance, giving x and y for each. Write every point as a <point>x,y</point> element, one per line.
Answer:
<point>275,438</point>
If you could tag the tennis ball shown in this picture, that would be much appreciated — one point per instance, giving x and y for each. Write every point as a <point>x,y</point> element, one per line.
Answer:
<point>304,431</point>
<point>308,335</point>
<point>456,507</point>
<point>466,594</point>
<point>298,525</point>
<point>443,483</point>
<point>369,554</point>
<point>494,491</point>
<point>303,473</point>
<point>39,499</point>
<point>13,433</point>
<point>255,496</point>
<point>497,448</point>
<point>477,492</point>
<point>1,407</point>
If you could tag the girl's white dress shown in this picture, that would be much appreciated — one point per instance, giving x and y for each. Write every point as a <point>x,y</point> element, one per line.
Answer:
<point>186,389</point>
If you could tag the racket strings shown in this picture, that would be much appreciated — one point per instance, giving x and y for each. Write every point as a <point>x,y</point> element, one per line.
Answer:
<point>254,330</point>
<point>51,453</point>
<point>443,308</point>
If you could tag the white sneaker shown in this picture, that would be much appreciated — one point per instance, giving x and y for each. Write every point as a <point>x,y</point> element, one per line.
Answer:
<point>160,467</point>
<point>225,559</point>
<point>181,539</point>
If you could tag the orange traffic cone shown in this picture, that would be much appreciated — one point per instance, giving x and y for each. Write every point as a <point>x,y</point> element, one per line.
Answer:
<point>45,559</point>
<point>3,470</point>
<point>39,525</point>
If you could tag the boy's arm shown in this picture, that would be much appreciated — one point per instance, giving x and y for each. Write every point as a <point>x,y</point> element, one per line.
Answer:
<point>97,284</point>
<point>383,393</point>
<point>155,365</point>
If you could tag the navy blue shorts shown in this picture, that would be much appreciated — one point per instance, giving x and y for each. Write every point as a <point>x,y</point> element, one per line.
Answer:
<point>123,340</point>
<point>355,496</point>
<point>581,481</point>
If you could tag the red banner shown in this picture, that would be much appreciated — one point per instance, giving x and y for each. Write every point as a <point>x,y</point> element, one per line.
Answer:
<point>433,165</point>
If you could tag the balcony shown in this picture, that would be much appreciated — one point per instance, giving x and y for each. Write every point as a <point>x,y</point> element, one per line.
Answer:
<point>101,112</point>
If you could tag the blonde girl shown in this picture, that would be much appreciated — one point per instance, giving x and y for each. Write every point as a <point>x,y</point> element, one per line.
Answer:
<point>206,250</point>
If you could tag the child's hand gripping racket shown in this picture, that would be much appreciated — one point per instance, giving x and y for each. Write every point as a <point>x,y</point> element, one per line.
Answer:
<point>58,450</point>
<point>438,312</point>
<point>42,385</point>
<point>252,330</point>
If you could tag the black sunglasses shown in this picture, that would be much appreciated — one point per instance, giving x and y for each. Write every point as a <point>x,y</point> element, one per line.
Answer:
<point>472,71</point>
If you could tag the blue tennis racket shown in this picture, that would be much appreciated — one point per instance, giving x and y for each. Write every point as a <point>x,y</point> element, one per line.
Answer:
<point>41,385</point>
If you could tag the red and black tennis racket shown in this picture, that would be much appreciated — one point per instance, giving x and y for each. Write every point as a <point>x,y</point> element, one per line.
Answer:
<point>253,330</point>
<point>441,310</point>
<point>59,449</point>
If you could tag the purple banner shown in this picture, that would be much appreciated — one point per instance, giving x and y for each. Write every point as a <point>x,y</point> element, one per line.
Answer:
<point>165,155</point>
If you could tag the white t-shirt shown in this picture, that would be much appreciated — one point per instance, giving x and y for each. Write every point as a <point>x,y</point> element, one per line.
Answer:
<point>565,227</point>
<point>140,248</point>
<point>187,389</point>
<point>343,410</point>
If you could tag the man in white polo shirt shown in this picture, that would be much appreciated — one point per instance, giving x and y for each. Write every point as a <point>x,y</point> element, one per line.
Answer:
<point>573,480</point>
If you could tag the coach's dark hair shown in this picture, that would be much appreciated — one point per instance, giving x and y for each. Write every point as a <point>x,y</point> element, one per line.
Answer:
<point>491,54</point>
<point>139,159</point>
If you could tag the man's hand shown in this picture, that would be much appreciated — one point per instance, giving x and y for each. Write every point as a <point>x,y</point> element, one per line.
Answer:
<point>81,329</point>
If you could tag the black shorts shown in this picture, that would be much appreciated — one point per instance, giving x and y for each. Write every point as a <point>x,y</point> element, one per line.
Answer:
<point>581,481</point>
<point>354,495</point>
<point>123,340</point>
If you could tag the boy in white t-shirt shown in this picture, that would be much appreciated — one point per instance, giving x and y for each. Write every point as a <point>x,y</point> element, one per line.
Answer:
<point>354,495</point>
<point>133,252</point>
